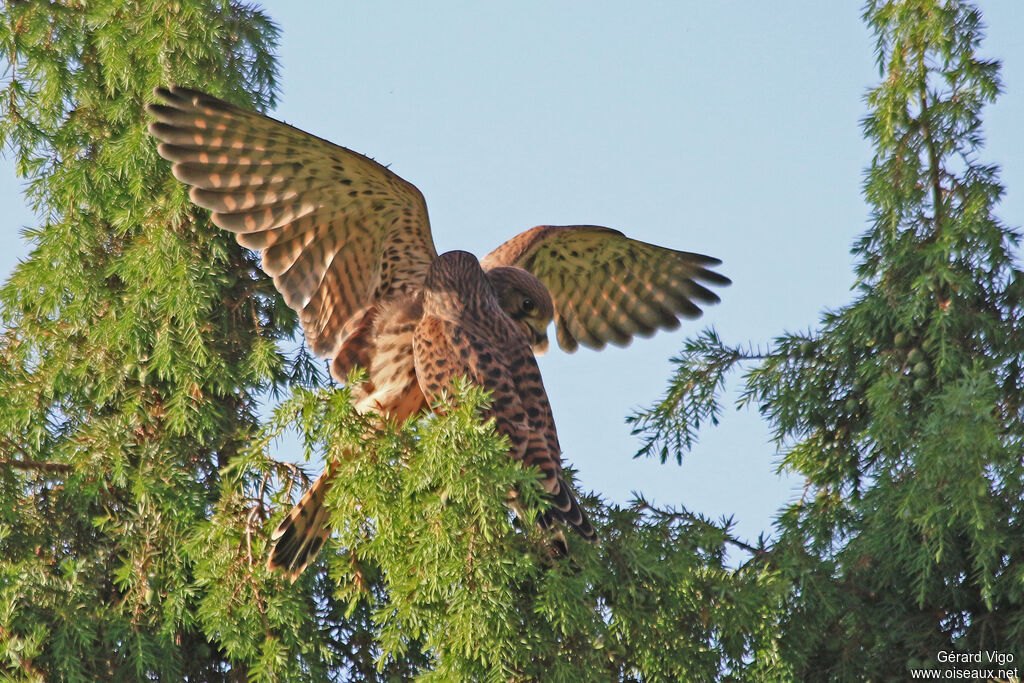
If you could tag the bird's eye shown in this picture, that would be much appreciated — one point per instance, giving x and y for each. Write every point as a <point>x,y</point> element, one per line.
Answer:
<point>529,306</point>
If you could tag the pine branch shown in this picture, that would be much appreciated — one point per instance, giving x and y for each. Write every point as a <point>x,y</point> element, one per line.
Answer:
<point>26,665</point>
<point>29,463</point>
<point>37,465</point>
<point>671,425</point>
<point>687,516</point>
<point>934,159</point>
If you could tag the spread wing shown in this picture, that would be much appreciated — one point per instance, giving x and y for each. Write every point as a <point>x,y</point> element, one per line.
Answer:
<point>607,287</point>
<point>337,231</point>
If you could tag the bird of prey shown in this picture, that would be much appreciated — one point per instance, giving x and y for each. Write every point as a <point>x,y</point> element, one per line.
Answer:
<point>348,244</point>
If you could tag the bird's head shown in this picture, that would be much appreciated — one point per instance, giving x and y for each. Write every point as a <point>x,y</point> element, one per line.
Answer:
<point>527,301</point>
<point>454,284</point>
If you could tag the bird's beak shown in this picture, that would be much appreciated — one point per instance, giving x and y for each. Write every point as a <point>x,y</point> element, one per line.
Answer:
<point>538,338</point>
<point>540,343</point>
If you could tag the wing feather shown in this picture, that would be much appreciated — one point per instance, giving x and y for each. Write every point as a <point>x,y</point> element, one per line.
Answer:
<point>337,231</point>
<point>608,288</point>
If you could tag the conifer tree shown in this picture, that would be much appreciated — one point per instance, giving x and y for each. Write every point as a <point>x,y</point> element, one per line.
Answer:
<point>135,485</point>
<point>902,410</point>
<point>136,344</point>
<point>137,492</point>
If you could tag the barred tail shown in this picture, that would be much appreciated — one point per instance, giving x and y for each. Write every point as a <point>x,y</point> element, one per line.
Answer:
<point>566,509</point>
<point>300,535</point>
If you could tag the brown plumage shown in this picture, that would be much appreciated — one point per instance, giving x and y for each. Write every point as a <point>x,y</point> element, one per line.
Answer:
<point>463,333</point>
<point>348,245</point>
<point>391,390</point>
<point>607,287</point>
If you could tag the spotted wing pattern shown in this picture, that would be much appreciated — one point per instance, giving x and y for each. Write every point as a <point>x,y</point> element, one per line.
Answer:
<point>606,287</point>
<point>492,352</point>
<point>337,231</point>
<point>348,245</point>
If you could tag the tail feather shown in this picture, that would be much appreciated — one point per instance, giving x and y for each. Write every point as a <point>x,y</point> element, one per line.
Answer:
<point>566,509</point>
<point>300,535</point>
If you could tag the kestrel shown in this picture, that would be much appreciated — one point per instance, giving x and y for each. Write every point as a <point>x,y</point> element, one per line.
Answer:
<point>348,244</point>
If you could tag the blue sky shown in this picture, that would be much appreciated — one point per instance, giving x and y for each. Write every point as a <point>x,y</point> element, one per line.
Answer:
<point>730,129</point>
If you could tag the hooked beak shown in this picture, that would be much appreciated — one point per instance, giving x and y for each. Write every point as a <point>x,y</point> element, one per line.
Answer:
<point>540,342</point>
<point>538,338</point>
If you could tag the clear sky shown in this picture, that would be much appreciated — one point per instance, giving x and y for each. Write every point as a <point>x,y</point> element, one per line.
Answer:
<point>727,128</point>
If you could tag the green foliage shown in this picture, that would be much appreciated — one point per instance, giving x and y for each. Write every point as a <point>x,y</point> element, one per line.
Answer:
<point>442,583</point>
<point>136,342</point>
<point>672,424</point>
<point>137,490</point>
<point>902,411</point>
